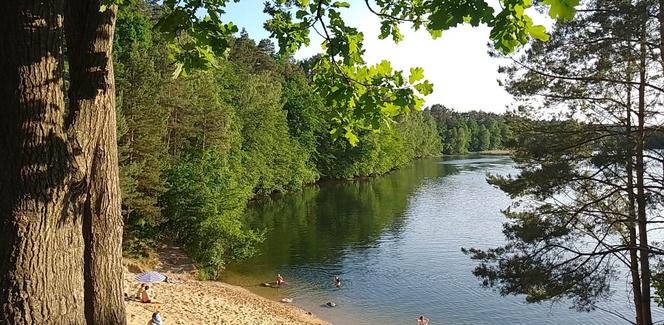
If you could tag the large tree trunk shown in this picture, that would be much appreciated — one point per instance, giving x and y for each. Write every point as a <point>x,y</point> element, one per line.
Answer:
<point>41,244</point>
<point>92,95</point>
<point>60,222</point>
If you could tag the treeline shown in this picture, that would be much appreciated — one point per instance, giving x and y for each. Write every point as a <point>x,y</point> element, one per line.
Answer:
<point>473,131</point>
<point>194,150</point>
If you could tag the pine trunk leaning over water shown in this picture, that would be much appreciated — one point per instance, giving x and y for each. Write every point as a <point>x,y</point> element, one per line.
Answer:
<point>60,222</point>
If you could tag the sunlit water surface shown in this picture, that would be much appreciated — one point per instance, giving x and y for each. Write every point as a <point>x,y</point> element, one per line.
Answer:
<point>396,242</point>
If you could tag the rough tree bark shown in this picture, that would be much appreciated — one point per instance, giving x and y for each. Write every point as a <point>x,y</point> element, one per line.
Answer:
<point>41,245</point>
<point>92,96</point>
<point>60,222</point>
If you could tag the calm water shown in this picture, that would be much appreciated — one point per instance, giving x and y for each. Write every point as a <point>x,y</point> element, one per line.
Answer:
<point>395,241</point>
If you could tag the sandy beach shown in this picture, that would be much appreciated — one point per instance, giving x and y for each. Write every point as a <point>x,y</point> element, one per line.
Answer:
<point>206,302</point>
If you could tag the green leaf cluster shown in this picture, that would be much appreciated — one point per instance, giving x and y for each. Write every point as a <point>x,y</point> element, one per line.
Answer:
<point>195,39</point>
<point>367,98</point>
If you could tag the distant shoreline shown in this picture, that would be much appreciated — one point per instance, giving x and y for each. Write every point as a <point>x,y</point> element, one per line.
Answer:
<point>331,180</point>
<point>495,152</point>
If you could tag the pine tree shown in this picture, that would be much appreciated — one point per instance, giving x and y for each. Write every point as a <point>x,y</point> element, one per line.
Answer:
<point>592,153</point>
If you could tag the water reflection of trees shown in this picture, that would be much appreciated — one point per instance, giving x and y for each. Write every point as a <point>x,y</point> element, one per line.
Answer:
<point>315,225</point>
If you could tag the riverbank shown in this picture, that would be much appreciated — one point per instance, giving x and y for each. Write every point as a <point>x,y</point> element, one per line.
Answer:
<point>206,302</point>
<point>495,152</point>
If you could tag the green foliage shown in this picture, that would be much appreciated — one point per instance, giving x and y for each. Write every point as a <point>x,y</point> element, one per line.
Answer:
<point>414,136</point>
<point>180,152</point>
<point>141,120</point>
<point>194,150</point>
<point>553,250</point>
<point>562,9</point>
<point>582,210</point>
<point>366,98</point>
<point>245,53</point>
<point>276,161</point>
<point>361,97</point>
<point>484,137</point>
<point>204,38</point>
<point>306,114</point>
<point>658,283</point>
<point>204,205</point>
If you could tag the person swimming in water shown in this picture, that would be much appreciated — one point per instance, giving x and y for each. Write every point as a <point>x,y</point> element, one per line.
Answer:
<point>422,320</point>
<point>337,282</point>
<point>280,280</point>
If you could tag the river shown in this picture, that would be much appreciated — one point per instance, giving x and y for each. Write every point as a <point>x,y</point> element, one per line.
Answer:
<point>396,241</point>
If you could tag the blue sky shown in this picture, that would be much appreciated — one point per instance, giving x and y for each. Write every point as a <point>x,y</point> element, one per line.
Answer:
<point>463,74</point>
<point>248,14</point>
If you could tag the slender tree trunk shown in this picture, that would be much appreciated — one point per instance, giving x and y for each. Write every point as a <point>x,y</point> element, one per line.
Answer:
<point>640,191</point>
<point>633,252</point>
<point>92,97</point>
<point>660,17</point>
<point>41,244</point>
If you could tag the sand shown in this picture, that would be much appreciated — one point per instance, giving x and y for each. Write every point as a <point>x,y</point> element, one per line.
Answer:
<point>208,302</point>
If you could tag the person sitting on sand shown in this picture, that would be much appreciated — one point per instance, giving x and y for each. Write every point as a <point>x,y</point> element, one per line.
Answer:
<point>156,319</point>
<point>422,320</point>
<point>280,280</point>
<point>140,291</point>
<point>337,282</point>
<point>147,296</point>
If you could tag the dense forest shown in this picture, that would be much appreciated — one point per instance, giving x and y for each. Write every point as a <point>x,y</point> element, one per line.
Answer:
<point>194,150</point>
<point>472,131</point>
